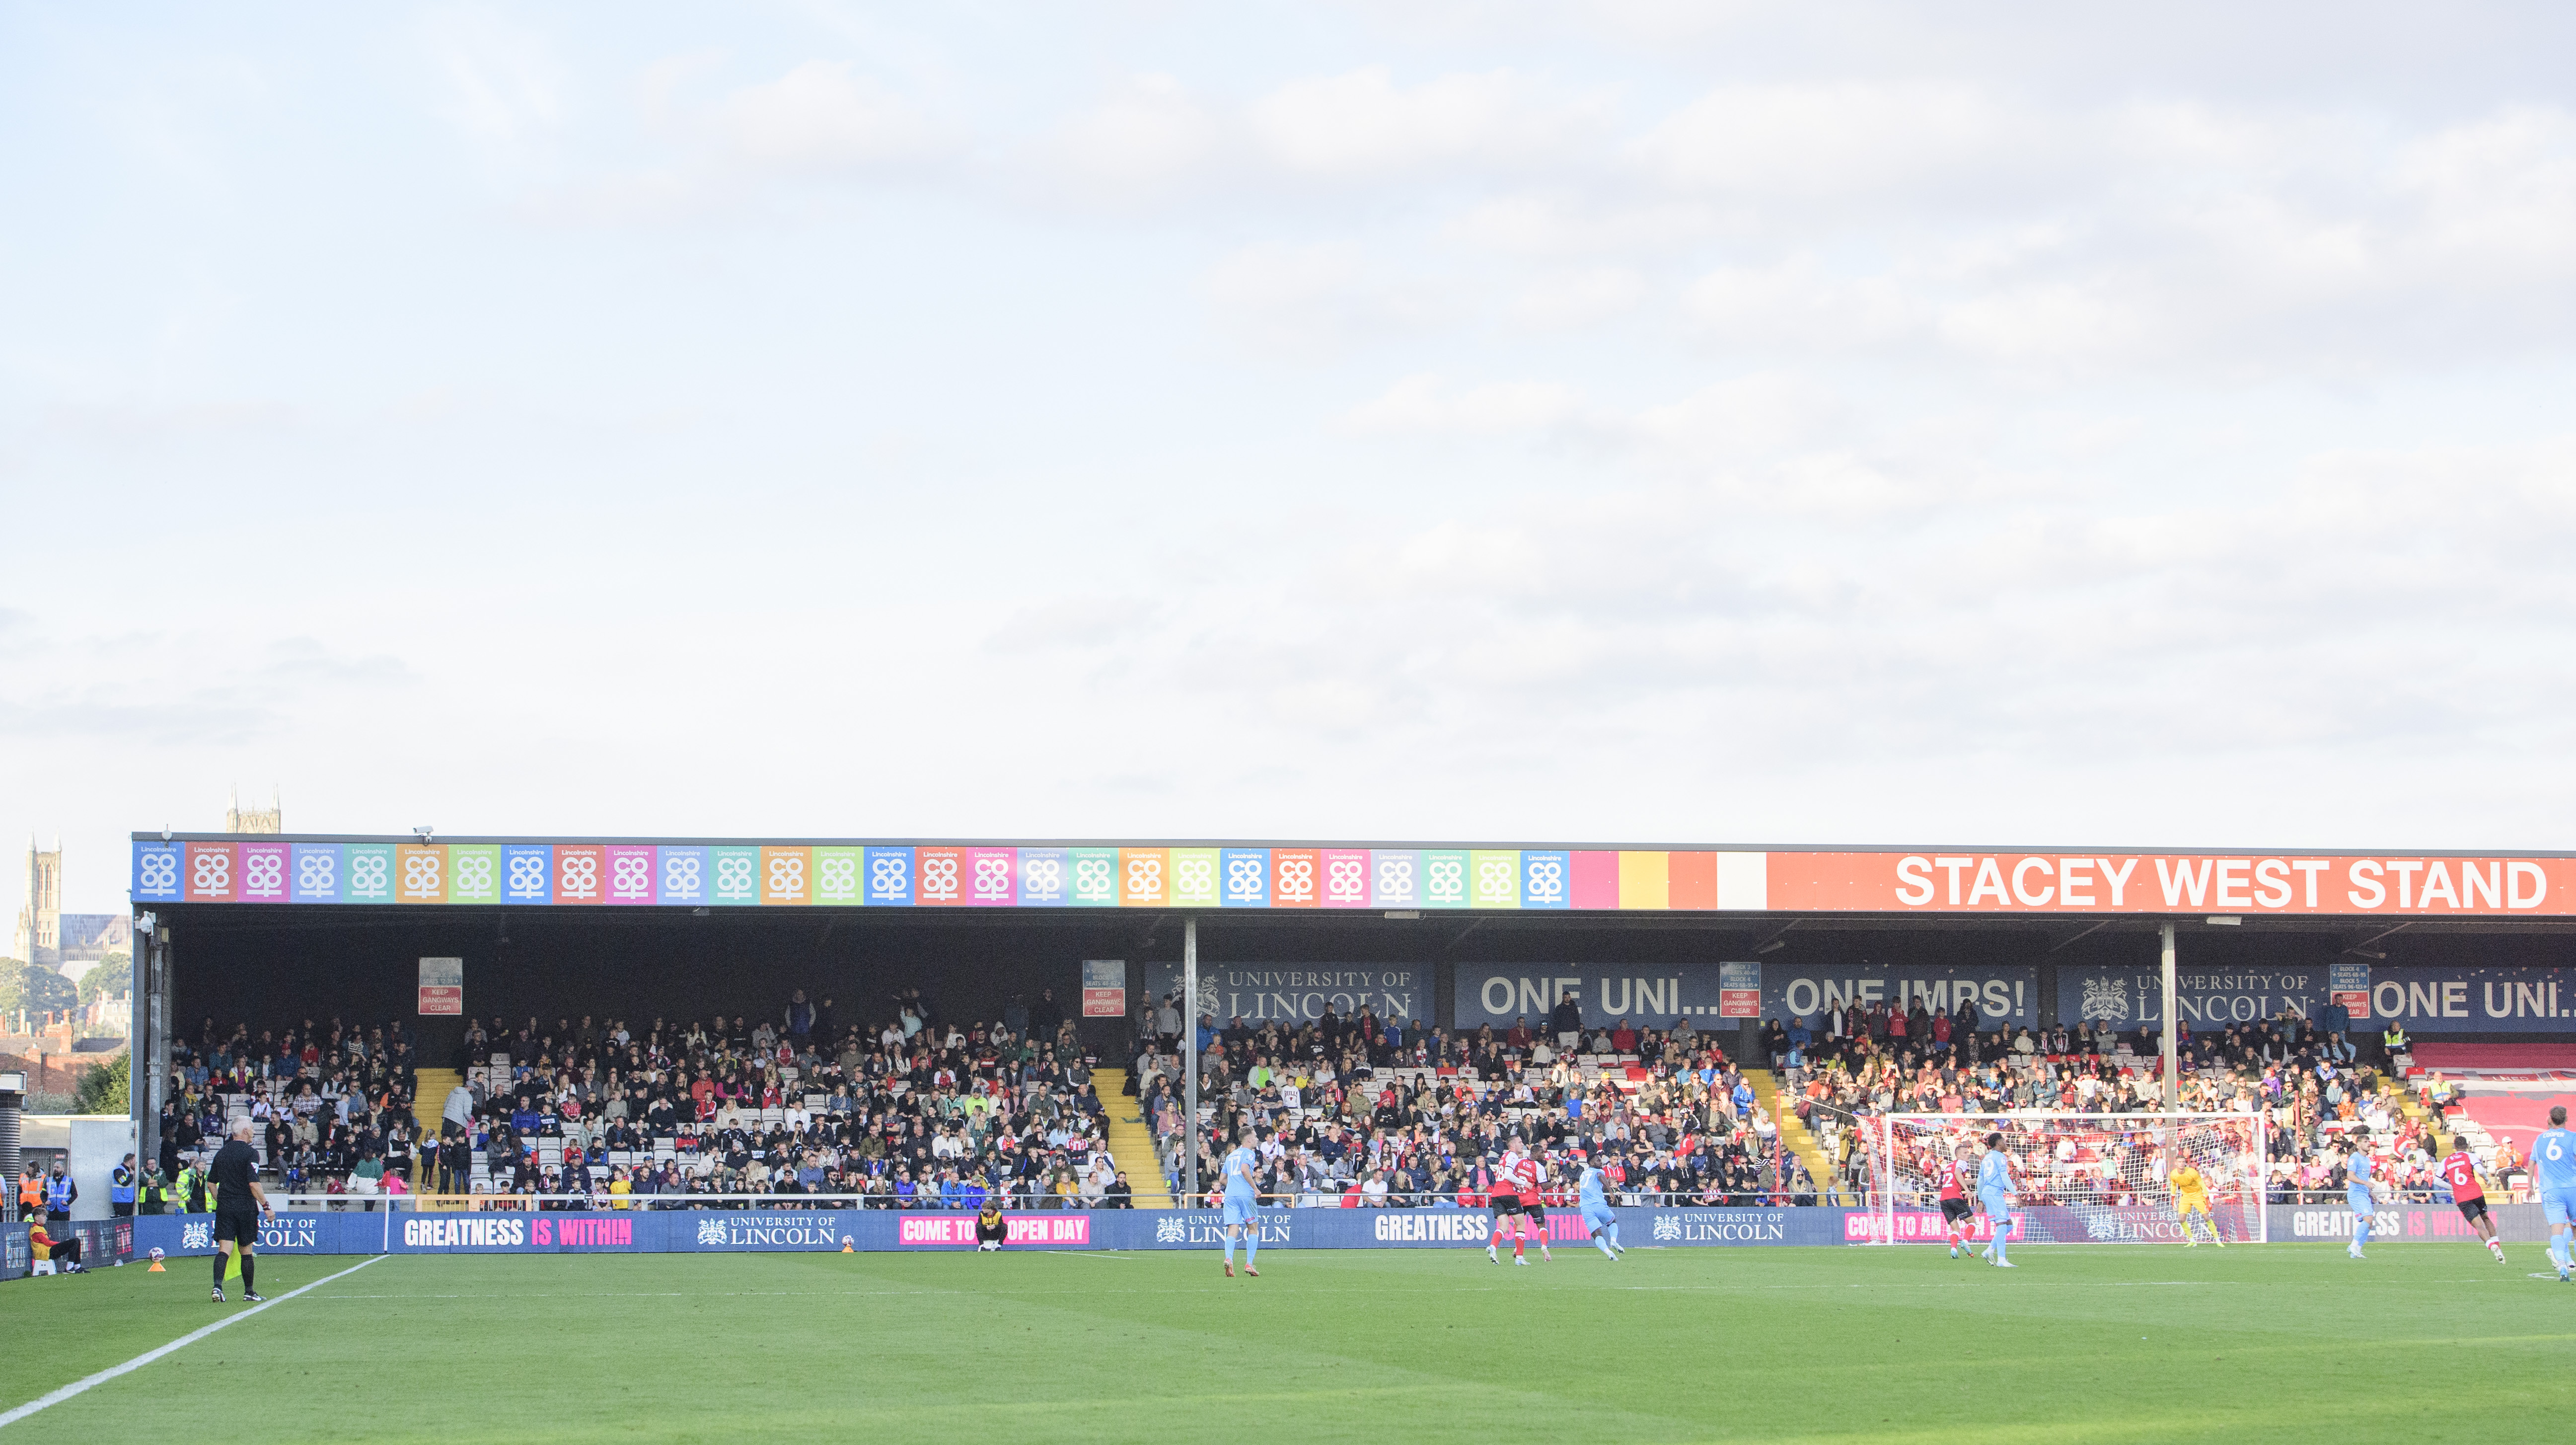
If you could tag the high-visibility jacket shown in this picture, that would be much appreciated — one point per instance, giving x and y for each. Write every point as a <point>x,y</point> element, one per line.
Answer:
<point>156,1195</point>
<point>195,1196</point>
<point>58,1193</point>
<point>31,1193</point>
<point>120,1185</point>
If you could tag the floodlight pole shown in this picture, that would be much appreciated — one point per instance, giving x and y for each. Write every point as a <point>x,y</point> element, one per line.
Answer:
<point>2173,1070</point>
<point>1190,1057</point>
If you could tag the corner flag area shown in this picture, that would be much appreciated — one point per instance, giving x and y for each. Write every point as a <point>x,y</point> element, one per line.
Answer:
<point>2284,1342</point>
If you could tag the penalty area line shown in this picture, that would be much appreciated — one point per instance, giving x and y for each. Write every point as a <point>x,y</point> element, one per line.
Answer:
<point>46,1402</point>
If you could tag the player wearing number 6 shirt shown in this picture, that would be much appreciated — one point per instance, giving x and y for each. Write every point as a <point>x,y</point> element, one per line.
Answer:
<point>1957,1219</point>
<point>1995,1194</point>
<point>2553,1164</point>
<point>2461,1173</point>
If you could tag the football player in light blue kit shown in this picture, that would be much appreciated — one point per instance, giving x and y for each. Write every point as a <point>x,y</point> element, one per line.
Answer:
<point>1242,1202</point>
<point>1597,1217</point>
<point>1995,1194</point>
<point>2356,1193</point>
<point>2553,1164</point>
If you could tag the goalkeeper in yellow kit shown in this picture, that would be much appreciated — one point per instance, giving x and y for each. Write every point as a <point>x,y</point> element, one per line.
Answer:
<point>2191,1197</point>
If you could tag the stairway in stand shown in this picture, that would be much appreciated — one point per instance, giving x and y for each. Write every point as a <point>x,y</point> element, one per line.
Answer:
<point>1793,1131</point>
<point>429,1095</point>
<point>1131,1144</point>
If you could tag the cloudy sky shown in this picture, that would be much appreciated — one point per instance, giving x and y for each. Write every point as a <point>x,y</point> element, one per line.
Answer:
<point>1634,421</point>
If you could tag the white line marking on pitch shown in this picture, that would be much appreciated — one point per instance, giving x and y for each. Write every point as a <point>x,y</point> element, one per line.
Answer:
<point>44,1402</point>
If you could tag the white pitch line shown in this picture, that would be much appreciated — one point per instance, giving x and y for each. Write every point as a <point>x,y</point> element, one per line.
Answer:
<point>46,1402</point>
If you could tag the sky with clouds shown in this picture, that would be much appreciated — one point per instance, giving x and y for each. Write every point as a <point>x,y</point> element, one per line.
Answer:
<point>1626,422</point>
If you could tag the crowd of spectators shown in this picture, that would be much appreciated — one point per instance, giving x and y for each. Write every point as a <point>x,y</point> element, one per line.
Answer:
<point>2304,1085</point>
<point>908,1111</point>
<point>1374,1112</point>
<point>330,1104</point>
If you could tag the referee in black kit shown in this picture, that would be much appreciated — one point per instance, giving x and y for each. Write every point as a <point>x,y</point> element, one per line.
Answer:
<point>238,1207</point>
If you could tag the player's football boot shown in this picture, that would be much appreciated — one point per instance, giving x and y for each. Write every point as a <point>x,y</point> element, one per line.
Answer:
<point>1251,1272</point>
<point>2222,1244</point>
<point>2006,1264</point>
<point>219,1296</point>
<point>1229,1269</point>
<point>1520,1259</point>
<point>1491,1254</point>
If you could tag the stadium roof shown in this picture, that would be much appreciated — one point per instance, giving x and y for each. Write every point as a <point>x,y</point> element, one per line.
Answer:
<point>2251,883</point>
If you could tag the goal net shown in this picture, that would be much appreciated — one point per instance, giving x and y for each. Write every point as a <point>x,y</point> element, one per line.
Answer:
<point>2082,1177</point>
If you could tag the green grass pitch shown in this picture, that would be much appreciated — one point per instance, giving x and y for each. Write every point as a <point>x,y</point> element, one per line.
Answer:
<point>2286,1342</point>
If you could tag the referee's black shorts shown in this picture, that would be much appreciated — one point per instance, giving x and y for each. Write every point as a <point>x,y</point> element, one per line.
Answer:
<point>238,1223</point>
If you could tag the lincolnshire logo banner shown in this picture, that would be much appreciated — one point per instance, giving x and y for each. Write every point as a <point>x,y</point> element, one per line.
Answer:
<point>538,872</point>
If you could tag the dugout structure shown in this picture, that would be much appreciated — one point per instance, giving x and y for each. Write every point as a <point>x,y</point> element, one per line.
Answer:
<point>275,928</point>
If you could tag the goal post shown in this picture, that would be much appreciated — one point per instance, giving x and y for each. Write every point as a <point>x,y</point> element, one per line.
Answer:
<point>2082,1178</point>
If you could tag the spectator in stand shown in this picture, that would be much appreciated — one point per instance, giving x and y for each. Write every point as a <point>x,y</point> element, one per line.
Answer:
<point>800,1017</point>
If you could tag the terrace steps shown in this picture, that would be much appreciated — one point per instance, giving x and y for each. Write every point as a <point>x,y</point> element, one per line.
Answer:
<point>429,1095</point>
<point>1131,1143</point>
<point>1793,1130</point>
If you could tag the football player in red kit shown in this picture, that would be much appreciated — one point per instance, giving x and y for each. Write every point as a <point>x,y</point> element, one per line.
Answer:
<point>1958,1219</point>
<point>1516,1194</point>
<point>2461,1173</point>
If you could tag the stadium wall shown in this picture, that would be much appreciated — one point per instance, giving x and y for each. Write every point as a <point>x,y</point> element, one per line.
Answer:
<point>690,1231</point>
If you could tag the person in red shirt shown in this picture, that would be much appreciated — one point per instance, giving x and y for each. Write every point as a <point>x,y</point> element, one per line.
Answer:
<point>1957,1218</point>
<point>1516,1196</point>
<point>2461,1173</point>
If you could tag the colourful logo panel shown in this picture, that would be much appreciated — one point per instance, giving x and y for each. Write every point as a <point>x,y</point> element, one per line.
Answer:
<point>528,873</point>
<point>1144,877</point>
<point>1244,874</point>
<point>630,873</point>
<point>681,876</point>
<point>1046,877</point>
<point>939,878</point>
<point>474,873</point>
<point>737,876</point>
<point>1346,877</point>
<point>1095,877</point>
<point>210,873</point>
<point>317,872</point>
<point>992,877</point>
<point>263,873</point>
<point>786,876</point>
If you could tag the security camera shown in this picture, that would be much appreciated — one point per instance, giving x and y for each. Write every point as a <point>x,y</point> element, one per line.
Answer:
<point>165,832</point>
<point>424,832</point>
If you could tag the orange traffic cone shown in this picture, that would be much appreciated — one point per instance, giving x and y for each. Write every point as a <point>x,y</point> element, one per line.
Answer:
<point>156,1268</point>
<point>846,1245</point>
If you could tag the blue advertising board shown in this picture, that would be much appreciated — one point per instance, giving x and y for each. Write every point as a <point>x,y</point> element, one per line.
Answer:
<point>689,1231</point>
